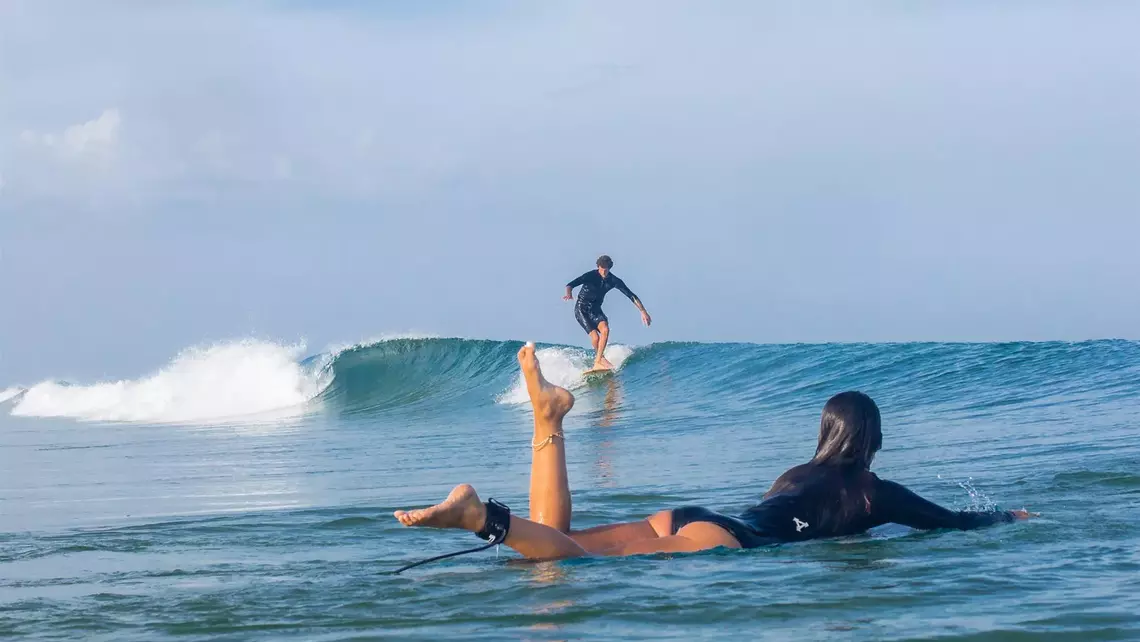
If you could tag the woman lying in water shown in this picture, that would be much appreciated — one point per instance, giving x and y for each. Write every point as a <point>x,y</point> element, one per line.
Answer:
<point>833,494</point>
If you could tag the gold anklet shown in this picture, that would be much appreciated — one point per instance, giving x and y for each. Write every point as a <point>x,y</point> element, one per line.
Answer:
<point>537,446</point>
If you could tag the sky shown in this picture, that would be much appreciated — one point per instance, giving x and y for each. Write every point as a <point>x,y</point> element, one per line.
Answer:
<point>182,173</point>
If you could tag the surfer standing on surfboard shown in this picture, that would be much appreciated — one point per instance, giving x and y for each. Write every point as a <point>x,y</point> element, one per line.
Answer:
<point>588,309</point>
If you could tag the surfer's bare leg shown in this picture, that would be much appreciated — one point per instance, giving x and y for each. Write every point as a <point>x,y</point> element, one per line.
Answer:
<point>600,539</point>
<point>549,484</point>
<point>463,510</point>
<point>600,360</point>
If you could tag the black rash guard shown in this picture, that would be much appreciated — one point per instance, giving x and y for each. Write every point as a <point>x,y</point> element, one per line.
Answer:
<point>594,288</point>
<point>588,309</point>
<point>813,501</point>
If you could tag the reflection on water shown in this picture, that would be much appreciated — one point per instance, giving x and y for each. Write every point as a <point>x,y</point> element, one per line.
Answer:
<point>546,573</point>
<point>603,429</point>
<point>552,608</point>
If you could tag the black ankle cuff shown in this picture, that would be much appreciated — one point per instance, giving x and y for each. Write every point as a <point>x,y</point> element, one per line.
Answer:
<point>498,523</point>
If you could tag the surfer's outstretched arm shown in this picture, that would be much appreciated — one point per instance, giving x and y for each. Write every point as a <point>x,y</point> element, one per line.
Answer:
<point>897,504</point>
<point>624,289</point>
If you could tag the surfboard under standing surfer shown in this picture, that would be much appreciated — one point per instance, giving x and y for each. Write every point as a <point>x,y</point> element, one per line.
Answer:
<point>588,309</point>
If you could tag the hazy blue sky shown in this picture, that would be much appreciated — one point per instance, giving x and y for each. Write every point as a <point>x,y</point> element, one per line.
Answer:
<point>179,173</point>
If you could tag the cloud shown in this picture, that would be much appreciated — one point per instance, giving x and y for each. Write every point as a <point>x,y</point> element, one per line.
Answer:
<point>78,165</point>
<point>94,141</point>
<point>760,104</point>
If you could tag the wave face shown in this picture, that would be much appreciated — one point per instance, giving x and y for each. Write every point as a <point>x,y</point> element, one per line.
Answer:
<point>253,379</point>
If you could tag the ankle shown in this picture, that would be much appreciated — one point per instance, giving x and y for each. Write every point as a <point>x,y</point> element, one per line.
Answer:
<point>496,519</point>
<point>480,519</point>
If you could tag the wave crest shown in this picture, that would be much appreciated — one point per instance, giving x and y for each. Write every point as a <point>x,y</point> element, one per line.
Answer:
<point>201,384</point>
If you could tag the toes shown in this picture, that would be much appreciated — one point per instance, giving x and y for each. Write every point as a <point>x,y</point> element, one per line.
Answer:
<point>408,518</point>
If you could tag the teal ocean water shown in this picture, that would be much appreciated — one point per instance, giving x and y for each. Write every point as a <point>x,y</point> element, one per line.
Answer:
<point>244,491</point>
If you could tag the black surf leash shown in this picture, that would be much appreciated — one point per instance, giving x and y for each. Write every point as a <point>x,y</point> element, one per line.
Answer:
<point>477,549</point>
<point>494,531</point>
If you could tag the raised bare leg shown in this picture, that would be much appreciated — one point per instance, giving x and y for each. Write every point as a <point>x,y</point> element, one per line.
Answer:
<point>549,485</point>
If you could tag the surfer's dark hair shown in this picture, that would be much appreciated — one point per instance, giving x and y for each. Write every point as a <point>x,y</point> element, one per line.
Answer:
<point>850,431</point>
<point>605,262</point>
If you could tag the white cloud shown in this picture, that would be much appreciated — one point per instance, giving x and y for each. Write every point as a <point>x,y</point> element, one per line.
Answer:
<point>369,103</point>
<point>95,141</point>
<point>94,136</point>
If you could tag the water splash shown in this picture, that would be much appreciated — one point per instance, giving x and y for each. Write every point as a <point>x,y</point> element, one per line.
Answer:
<point>979,500</point>
<point>563,366</point>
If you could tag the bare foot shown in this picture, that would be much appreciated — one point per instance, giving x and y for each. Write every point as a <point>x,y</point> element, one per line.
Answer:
<point>602,363</point>
<point>461,509</point>
<point>549,401</point>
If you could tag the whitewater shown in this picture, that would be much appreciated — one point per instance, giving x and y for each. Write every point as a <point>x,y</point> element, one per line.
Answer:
<point>247,379</point>
<point>244,490</point>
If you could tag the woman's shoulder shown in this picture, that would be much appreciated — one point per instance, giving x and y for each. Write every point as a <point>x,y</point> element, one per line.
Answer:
<point>800,476</point>
<point>801,471</point>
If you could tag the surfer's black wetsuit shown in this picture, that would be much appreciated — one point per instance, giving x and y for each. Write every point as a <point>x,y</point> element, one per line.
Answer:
<point>588,309</point>
<point>813,500</point>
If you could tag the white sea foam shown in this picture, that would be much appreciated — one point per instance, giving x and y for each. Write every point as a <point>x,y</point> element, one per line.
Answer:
<point>8,393</point>
<point>563,367</point>
<point>206,384</point>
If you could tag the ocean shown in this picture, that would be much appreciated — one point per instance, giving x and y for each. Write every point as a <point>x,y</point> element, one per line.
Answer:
<point>244,491</point>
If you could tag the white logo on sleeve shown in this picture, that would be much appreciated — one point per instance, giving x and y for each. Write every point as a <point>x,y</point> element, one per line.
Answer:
<point>800,525</point>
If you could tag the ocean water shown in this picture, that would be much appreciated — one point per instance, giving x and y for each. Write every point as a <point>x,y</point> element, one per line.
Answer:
<point>244,491</point>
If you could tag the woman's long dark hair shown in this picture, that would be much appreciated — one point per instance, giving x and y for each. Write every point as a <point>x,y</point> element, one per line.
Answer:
<point>850,431</point>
